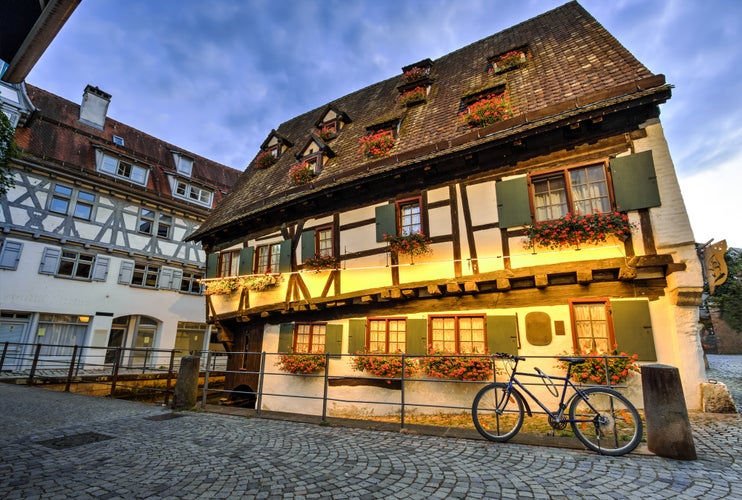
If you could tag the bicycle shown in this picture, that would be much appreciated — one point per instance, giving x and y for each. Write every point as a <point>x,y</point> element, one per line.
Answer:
<point>601,418</point>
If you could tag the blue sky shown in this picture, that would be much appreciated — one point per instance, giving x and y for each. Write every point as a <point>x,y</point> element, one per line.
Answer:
<point>214,77</point>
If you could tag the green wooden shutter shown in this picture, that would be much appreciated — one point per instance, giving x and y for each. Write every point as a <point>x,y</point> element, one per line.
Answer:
<point>212,262</point>
<point>632,327</point>
<point>284,260</point>
<point>356,335</point>
<point>285,337</point>
<point>307,244</point>
<point>635,182</point>
<point>513,204</point>
<point>246,261</point>
<point>417,336</point>
<point>502,334</point>
<point>334,340</point>
<point>386,221</point>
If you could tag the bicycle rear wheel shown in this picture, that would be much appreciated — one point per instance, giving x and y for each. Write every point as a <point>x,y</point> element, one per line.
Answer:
<point>497,413</point>
<point>605,421</point>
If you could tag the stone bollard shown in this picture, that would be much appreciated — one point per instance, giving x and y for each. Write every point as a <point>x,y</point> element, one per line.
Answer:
<point>668,427</point>
<point>186,387</point>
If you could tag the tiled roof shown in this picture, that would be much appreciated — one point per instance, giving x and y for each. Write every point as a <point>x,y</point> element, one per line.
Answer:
<point>56,135</point>
<point>573,62</point>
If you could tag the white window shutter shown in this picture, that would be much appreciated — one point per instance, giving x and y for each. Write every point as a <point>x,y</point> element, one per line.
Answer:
<point>126,272</point>
<point>10,254</point>
<point>50,261</point>
<point>100,268</point>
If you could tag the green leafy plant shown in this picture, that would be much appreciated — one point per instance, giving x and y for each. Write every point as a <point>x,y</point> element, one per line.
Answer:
<point>301,363</point>
<point>220,286</point>
<point>327,134</point>
<point>411,244</point>
<point>265,160</point>
<point>8,151</point>
<point>488,110</point>
<point>573,230</point>
<point>440,364</point>
<point>301,173</point>
<point>509,60</point>
<point>320,262</point>
<point>383,365</point>
<point>377,144</point>
<point>728,296</point>
<point>592,371</point>
<point>259,282</point>
<point>412,96</point>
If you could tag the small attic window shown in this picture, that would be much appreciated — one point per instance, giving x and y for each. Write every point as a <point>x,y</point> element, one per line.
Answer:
<point>507,61</point>
<point>377,143</point>
<point>119,141</point>
<point>183,164</point>
<point>416,72</point>
<point>485,108</point>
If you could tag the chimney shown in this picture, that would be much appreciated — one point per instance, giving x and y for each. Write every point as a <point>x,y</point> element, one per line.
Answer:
<point>94,107</point>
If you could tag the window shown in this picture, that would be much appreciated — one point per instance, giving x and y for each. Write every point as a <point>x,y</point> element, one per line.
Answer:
<point>310,337</point>
<point>591,328</point>
<point>324,242</point>
<point>267,259</point>
<point>117,140</point>
<point>60,332</point>
<point>229,263</point>
<point>145,275</point>
<point>582,190</point>
<point>10,254</point>
<point>193,193</point>
<point>191,283</point>
<point>387,335</point>
<point>409,217</point>
<point>75,265</point>
<point>67,263</point>
<point>150,222</point>
<point>117,167</point>
<point>458,334</point>
<point>183,164</point>
<point>64,197</point>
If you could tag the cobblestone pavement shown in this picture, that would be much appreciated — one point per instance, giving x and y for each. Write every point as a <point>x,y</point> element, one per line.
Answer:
<point>61,445</point>
<point>727,368</point>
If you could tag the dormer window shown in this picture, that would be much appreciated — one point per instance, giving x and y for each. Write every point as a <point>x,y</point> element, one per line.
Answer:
<point>120,168</point>
<point>507,60</point>
<point>183,164</point>
<point>485,108</point>
<point>331,123</point>
<point>118,140</point>
<point>275,145</point>
<point>377,143</point>
<point>417,71</point>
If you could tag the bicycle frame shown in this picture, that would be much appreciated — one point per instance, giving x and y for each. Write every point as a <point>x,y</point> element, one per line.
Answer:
<point>563,406</point>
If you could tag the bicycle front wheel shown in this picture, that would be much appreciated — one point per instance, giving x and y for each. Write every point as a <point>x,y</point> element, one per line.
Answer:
<point>497,412</point>
<point>605,421</point>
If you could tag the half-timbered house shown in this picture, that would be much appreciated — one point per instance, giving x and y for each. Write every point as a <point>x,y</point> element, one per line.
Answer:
<point>91,240</point>
<point>516,195</point>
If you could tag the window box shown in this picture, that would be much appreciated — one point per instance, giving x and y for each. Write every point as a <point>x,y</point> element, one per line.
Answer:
<point>383,365</point>
<point>415,74</point>
<point>487,110</point>
<point>301,363</point>
<point>377,144</point>
<point>265,159</point>
<point>410,244</point>
<point>508,61</point>
<point>302,173</point>
<point>592,371</point>
<point>227,286</point>
<point>439,364</point>
<point>321,262</point>
<point>412,96</point>
<point>574,230</point>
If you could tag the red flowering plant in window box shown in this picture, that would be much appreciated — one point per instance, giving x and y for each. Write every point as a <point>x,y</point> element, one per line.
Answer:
<point>412,96</point>
<point>488,110</point>
<point>415,74</point>
<point>383,365</point>
<point>265,160</point>
<point>440,364</point>
<point>301,173</point>
<point>377,144</point>
<point>320,262</point>
<point>410,244</point>
<point>301,363</point>
<point>573,230</point>
<point>509,60</point>
<point>592,371</point>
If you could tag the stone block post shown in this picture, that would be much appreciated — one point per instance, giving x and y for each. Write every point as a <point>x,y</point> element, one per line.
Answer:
<point>186,387</point>
<point>668,426</point>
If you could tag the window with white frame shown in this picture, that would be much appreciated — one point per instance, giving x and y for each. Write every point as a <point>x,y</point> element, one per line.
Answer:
<point>155,223</point>
<point>145,275</point>
<point>310,337</point>
<point>409,213</point>
<point>66,200</point>
<point>458,334</point>
<point>387,335</point>
<point>191,282</point>
<point>183,164</point>
<point>267,258</point>
<point>120,168</point>
<point>229,263</point>
<point>592,327</point>
<point>581,190</point>
<point>193,193</point>
<point>73,264</point>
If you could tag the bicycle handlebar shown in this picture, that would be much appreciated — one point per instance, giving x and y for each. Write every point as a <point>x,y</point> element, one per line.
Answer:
<point>508,356</point>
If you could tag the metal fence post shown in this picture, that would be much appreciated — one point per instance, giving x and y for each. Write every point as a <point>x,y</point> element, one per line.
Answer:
<point>2,359</point>
<point>324,395</point>
<point>115,369</point>
<point>71,370</point>
<point>33,365</point>
<point>261,376</point>
<point>168,384</point>
<point>206,380</point>
<point>401,392</point>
